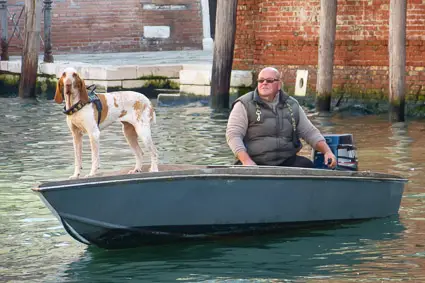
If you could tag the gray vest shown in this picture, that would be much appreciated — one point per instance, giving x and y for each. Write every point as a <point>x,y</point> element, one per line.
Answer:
<point>271,138</point>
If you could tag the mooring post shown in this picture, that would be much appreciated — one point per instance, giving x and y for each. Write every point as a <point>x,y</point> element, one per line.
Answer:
<point>29,64</point>
<point>48,57</point>
<point>397,55</point>
<point>224,45</point>
<point>328,10</point>
<point>4,31</point>
<point>213,12</point>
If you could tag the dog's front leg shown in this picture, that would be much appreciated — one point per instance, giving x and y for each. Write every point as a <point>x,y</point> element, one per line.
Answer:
<point>77,139</point>
<point>94,137</point>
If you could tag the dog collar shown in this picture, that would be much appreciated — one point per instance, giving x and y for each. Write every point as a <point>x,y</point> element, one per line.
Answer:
<point>74,108</point>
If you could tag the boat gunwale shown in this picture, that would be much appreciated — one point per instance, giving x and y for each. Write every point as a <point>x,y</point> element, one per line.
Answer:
<point>216,172</point>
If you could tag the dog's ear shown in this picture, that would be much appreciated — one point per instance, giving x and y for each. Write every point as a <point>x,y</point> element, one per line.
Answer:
<point>81,86</point>
<point>59,90</point>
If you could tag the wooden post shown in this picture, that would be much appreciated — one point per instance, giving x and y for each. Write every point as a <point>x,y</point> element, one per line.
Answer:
<point>31,49</point>
<point>225,29</point>
<point>397,55</point>
<point>328,10</point>
<point>4,30</point>
<point>48,57</point>
<point>213,12</point>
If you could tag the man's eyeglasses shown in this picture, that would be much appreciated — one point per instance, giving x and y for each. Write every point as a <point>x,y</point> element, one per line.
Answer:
<point>269,81</point>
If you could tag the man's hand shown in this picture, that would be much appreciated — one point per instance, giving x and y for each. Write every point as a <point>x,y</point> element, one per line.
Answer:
<point>245,159</point>
<point>331,156</point>
<point>323,147</point>
<point>249,163</point>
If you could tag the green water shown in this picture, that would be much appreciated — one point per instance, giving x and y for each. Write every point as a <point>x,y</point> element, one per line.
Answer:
<point>36,145</point>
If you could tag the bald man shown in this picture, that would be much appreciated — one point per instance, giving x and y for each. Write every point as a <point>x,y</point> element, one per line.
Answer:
<point>265,125</point>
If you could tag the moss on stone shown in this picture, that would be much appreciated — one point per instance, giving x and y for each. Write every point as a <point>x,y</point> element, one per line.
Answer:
<point>9,84</point>
<point>46,84</point>
<point>161,83</point>
<point>9,79</point>
<point>152,77</point>
<point>174,85</point>
<point>375,94</point>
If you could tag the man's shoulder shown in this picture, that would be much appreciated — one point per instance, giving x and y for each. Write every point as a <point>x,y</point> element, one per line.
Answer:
<point>293,102</point>
<point>291,99</point>
<point>244,98</point>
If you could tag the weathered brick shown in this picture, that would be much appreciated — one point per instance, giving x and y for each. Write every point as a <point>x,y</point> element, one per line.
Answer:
<point>280,32</point>
<point>289,37</point>
<point>115,26</point>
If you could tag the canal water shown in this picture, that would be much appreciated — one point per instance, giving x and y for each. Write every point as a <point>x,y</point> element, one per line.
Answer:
<point>36,145</point>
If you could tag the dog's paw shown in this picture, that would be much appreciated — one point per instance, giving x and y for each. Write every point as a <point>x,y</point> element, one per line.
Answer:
<point>74,177</point>
<point>153,169</point>
<point>90,175</point>
<point>135,170</point>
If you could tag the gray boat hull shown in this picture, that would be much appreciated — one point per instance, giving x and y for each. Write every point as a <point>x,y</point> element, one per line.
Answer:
<point>210,201</point>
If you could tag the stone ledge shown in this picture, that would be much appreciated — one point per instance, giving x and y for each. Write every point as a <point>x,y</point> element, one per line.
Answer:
<point>99,72</point>
<point>202,77</point>
<point>192,78</point>
<point>175,99</point>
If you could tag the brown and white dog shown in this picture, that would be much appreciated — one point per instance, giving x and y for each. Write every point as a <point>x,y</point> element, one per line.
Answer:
<point>132,109</point>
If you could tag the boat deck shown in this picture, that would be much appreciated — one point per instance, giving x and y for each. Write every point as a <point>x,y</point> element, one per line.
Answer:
<point>176,171</point>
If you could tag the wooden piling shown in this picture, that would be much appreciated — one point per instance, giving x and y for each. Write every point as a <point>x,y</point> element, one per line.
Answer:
<point>224,43</point>
<point>213,12</point>
<point>328,10</point>
<point>48,56</point>
<point>397,56</point>
<point>4,31</point>
<point>29,66</point>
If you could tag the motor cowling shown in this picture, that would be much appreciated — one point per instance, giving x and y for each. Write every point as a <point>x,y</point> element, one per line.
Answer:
<point>342,146</point>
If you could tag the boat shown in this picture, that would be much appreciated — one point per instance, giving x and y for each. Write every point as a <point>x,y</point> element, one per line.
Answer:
<point>187,202</point>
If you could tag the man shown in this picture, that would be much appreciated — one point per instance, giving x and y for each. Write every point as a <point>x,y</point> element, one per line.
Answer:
<point>265,125</point>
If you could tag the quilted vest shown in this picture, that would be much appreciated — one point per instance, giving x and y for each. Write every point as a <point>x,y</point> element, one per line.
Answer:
<point>271,135</point>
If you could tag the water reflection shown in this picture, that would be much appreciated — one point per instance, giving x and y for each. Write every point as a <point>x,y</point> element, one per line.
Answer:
<point>35,145</point>
<point>400,151</point>
<point>330,253</point>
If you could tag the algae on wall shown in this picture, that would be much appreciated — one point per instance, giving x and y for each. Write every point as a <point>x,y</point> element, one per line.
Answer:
<point>151,85</point>
<point>9,85</point>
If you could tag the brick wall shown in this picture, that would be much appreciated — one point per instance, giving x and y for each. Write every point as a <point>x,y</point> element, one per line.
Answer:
<point>284,33</point>
<point>119,26</point>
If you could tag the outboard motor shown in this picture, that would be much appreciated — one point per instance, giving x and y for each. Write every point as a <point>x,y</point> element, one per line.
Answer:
<point>342,146</point>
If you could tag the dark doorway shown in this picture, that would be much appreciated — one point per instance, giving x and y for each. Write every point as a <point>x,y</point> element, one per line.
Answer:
<point>213,11</point>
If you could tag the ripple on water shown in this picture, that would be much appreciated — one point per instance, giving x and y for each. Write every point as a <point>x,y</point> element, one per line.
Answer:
<point>36,145</point>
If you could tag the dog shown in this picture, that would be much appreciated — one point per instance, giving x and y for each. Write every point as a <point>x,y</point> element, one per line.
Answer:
<point>134,110</point>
